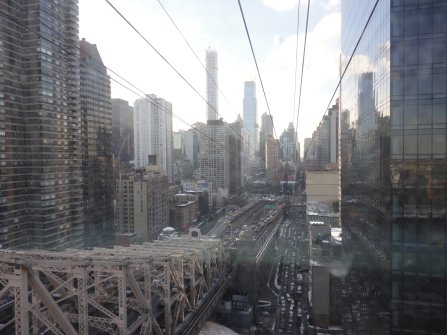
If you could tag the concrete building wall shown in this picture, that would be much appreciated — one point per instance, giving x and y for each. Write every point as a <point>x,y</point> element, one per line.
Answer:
<point>142,205</point>
<point>322,186</point>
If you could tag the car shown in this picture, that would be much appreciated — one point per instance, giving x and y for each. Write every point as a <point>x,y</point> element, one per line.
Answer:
<point>213,236</point>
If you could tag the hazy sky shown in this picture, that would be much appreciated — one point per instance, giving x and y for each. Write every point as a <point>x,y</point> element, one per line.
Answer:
<point>218,23</point>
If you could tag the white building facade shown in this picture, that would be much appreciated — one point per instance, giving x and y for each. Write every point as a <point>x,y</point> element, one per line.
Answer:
<point>250,116</point>
<point>211,84</point>
<point>153,137</point>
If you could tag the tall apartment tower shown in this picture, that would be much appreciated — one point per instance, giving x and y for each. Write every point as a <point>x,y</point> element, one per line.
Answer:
<point>40,125</point>
<point>322,150</point>
<point>122,130</point>
<point>235,156</point>
<point>142,204</point>
<point>211,84</point>
<point>393,166</point>
<point>214,157</point>
<point>266,130</point>
<point>288,143</point>
<point>97,171</point>
<point>153,133</point>
<point>191,146</point>
<point>250,116</point>
<point>272,159</point>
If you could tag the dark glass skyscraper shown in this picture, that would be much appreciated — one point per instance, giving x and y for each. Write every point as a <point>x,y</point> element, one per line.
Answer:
<point>96,115</point>
<point>393,166</point>
<point>40,138</point>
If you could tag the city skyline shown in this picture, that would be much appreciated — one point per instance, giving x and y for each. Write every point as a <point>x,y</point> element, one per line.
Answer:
<point>204,28</point>
<point>111,221</point>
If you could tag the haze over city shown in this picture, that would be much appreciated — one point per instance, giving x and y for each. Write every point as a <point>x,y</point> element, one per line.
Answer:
<point>250,167</point>
<point>272,26</point>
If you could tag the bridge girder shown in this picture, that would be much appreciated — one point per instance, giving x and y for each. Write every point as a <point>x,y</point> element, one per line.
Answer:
<point>117,291</point>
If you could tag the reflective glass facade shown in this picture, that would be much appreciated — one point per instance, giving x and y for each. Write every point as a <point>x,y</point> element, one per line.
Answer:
<point>96,115</point>
<point>393,166</point>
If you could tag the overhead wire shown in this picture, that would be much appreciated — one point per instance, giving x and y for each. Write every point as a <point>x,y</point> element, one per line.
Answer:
<point>345,69</point>
<point>257,69</point>
<point>302,75</point>
<point>169,64</point>
<point>146,96</point>
<point>195,55</point>
<point>296,58</point>
<point>201,63</point>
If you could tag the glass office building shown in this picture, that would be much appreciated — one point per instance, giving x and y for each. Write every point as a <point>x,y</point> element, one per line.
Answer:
<point>97,165</point>
<point>393,166</point>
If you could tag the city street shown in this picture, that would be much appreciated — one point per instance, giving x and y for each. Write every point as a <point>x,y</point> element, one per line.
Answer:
<point>292,315</point>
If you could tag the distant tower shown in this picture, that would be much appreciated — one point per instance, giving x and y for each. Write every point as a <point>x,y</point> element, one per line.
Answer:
<point>250,111</point>
<point>266,130</point>
<point>153,133</point>
<point>211,84</point>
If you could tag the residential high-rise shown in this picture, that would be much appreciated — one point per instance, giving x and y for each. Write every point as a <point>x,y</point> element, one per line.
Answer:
<point>307,147</point>
<point>41,203</point>
<point>288,143</point>
<point>267,124</point>
<point>272,160</point>
<point>97,169</point>
<point>214,156</point>
<point>191,146</point>
<point>323,147</point>
<point>153,133</point>
<point>266,130</point>
<point>122,130</point>
<point>142,204</point>
<point>211,85</point>
<point>235,164</point>
<point>250,116</point>
<point>393,168</point>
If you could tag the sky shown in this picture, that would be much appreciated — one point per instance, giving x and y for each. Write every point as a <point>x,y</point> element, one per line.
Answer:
<point>218,24</point>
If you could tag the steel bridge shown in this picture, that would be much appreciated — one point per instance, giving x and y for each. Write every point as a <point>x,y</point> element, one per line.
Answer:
<point>143,289</point>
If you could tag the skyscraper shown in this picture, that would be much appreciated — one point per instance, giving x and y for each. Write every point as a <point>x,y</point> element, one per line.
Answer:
<point>393,168</point>
<point>40,126</point>
<point>191,146</point>
<point>153,133</point>
<point>250,116</point>
<point>214,158</point>
<point>272,159</point>
<point>235,164</point>
<point>267,124</point>
<point>122,130</point>
<point>266,130</point>
<point>211,84</point>
<point>288,143</point>
<point>322,149</point>
<point>97,172</point>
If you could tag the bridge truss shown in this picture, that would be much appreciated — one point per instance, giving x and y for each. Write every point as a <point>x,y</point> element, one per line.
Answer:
<point>141,289</point>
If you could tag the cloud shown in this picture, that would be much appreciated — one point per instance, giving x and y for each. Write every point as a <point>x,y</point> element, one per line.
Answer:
<point>329,5</point>
<point>277,40</point>
<point>124,52</point>
<point>283,5</point>
<point>320,76</point>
